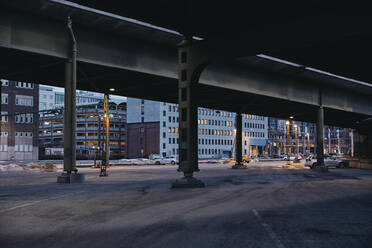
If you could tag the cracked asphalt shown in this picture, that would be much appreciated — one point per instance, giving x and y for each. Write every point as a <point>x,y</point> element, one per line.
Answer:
<point>265,205</point>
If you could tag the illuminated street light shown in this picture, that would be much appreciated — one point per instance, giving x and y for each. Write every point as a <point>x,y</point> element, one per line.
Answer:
<point>112,89</point>
<point>296,160</point>
<point>291,117</point>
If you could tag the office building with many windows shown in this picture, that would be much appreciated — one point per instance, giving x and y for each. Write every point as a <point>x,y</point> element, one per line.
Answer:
<point>216,131</point>
<point>89,132</point>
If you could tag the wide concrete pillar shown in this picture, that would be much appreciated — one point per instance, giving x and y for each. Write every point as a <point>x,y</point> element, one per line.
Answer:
<point>320,139</point>
<point>191,64</point>
<point>238,142</point>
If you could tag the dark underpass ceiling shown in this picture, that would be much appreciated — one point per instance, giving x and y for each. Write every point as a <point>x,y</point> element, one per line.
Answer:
<point>330,36</point>
<point>231,38</point>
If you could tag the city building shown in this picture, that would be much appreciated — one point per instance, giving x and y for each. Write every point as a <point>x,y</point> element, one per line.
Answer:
<point>153,128</point>
<point>337,140</point>
<point>19,120</point>
<point>285,136</point>
<point>46,97</point>
<point>89,132</point>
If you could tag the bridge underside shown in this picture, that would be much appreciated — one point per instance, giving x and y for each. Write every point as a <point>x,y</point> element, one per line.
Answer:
<point>30,67</point>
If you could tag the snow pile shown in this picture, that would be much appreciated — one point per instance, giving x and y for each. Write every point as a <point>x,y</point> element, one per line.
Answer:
<point>11,167</point>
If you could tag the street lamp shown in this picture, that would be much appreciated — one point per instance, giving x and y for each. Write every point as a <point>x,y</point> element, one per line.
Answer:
<point>296,160</point>
<point>308,142</point>
<point>287,142</point>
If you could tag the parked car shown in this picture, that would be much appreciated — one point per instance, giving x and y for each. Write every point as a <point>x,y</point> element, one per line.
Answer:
<point>155,156</point>
<point>167,160</point>
<point>329,161</point>
<point>291,157</point>
<point>245,159</point>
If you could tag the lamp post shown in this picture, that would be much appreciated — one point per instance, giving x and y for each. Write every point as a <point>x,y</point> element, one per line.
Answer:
<point>296,160</point>
<point>308,143</point>
<point>287,142</point>
<point>329,140</point>
<point>338,141</point>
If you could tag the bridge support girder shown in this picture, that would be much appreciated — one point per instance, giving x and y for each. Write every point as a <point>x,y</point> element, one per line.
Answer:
<point>320,137</point>
<point>238,142</point>
<point>192,62</point>
<point>69,117</point>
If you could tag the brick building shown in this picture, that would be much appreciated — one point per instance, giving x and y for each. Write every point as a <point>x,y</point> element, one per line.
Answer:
<point>19,120</point>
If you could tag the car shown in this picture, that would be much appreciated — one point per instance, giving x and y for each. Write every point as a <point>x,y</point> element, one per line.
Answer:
<point>329,161</point>
<point>155,156</point>
<point>291,157</point>
<point>167,160</point>
<point>245,159</point>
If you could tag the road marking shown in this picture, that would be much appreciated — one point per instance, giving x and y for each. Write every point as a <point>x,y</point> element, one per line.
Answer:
<point>35,202</point>
<point>269,230</point>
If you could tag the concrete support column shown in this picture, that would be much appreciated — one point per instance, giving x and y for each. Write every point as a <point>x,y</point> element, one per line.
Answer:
<point>191,63</point>
<point>238,142</point>
<point>320,138</point>
<point>69,125</point>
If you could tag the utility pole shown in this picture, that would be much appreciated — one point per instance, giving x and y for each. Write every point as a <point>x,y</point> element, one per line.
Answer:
<point>329,140</point>
<point>338,142</point>
<point>296,160</point>
<point>287,142</point>
<point>106,137</point>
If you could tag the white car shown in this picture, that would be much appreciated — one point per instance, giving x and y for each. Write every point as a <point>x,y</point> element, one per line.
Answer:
<point>167,160</point>
<point>328,162</point>
<point>291,157</point>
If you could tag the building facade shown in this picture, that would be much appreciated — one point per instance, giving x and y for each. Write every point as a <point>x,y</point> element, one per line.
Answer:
<point>216,130</point>
<point>89,132</point>
<point>337,140</point>
<point>286,136</point>
<point>19,120</point>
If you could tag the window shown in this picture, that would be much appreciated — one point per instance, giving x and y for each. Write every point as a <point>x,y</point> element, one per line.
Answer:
<point>163,123</point>
<point>24,100</point>
<point>24,85</point>
<point>4,98</point>
<point>4,82</point>
<point>3,148</point>
<point>164,113</point>
<point>4,116</point>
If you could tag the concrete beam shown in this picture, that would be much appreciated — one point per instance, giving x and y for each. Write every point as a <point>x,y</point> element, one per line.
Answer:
<point>35,34</point>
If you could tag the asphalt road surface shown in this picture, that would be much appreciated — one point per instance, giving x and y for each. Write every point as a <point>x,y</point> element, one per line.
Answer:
<point>262,206</point>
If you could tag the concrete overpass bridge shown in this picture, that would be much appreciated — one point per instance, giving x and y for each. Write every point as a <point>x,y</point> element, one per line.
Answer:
<point>227,68</point>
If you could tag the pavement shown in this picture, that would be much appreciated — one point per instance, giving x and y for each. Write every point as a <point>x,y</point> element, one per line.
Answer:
<point>265,205</point>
